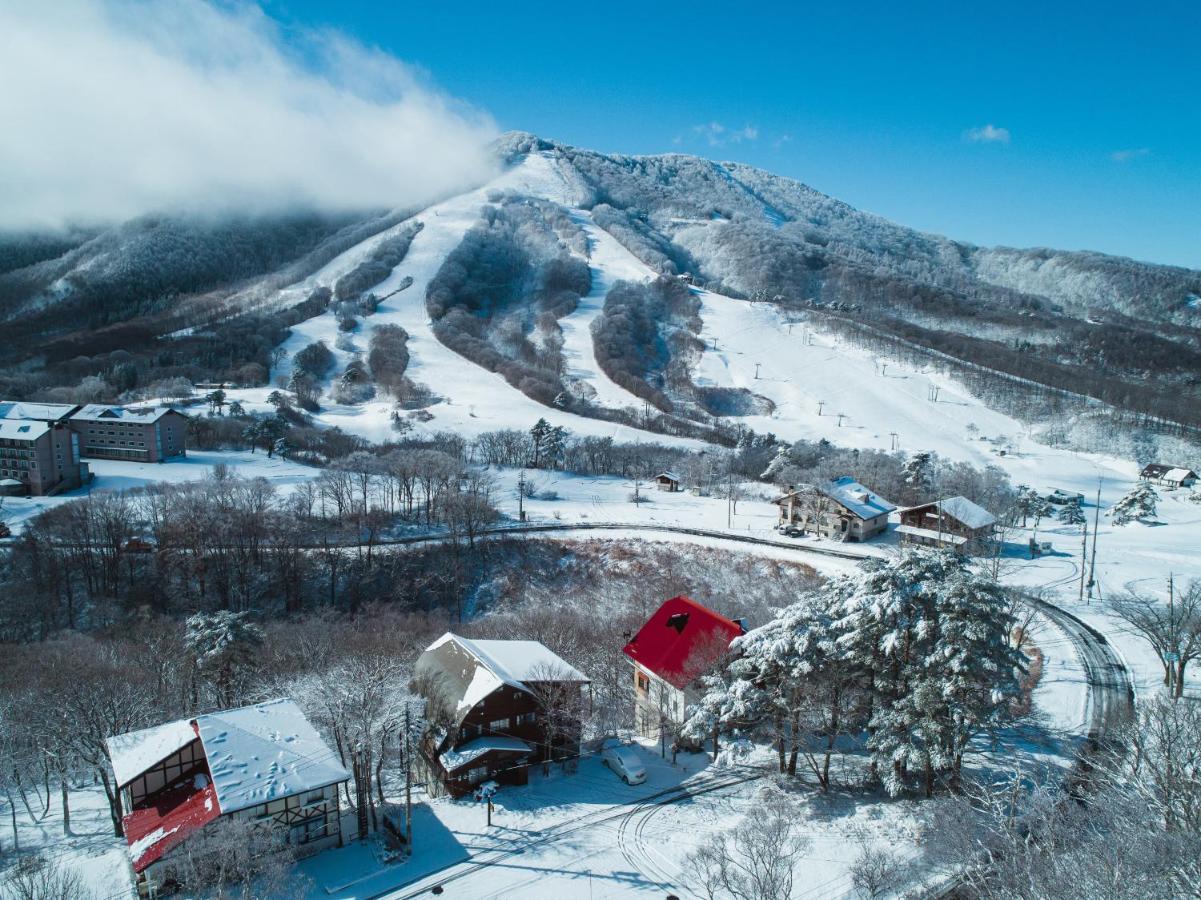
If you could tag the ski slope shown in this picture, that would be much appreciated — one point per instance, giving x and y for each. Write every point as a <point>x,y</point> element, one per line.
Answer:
<point>471,399</point>
<point>822,388</point>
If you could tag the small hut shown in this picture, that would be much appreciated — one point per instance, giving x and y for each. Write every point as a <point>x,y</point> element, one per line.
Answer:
<point>667,481</point>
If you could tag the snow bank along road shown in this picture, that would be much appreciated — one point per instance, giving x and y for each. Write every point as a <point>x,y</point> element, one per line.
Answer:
<point>1110,689</point>
<point>624,814</point>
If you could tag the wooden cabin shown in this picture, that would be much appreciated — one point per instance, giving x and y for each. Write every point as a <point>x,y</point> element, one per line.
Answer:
<point>842,509</point>
<point>263,763</point>
<point>668,481</point>
<point>496,708</point>
<point>1168,476</point>
<point>953,523</point>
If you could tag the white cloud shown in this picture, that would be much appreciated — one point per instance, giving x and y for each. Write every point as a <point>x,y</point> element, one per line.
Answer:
<point>987,134</point>
<point>113,108</point>
<point>1127,155</point>
<point>718,134</point>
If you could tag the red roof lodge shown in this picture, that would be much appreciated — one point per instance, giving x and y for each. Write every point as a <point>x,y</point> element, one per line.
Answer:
<point>679,643</point>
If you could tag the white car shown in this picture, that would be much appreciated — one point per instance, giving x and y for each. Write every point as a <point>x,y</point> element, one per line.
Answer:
<point>623,760</point>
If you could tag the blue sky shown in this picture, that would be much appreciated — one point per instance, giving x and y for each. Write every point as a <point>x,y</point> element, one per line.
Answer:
<point>1069,125</point>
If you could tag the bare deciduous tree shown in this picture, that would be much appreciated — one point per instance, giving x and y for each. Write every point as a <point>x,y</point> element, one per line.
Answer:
<point>1172,628</point>
<point>755,861</point>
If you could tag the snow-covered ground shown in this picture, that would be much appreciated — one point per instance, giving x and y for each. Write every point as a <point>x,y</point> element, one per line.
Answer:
<point>587,834</point>
<point>119,475</point>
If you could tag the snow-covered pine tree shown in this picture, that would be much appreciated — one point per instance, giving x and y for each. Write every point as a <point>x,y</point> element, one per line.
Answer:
<point>538,437</point>
<point>918,473</point>
<point>803,683</point>
<point>781,461</point>
<point>934,639</point>
<point>1139,505</point>
<point>224,646</point>
<point>1072,514</point>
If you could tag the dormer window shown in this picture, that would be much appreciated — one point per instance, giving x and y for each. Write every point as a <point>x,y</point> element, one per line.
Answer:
<point>678,621</point>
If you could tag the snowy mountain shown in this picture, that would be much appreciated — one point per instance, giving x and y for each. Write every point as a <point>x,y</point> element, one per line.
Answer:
<point>595,285</point>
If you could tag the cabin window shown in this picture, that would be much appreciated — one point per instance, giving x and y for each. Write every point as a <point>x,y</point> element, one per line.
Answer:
<point>527,718</point>
<point>644,683</point>
<point>479,774</point>
<point>498,724</point>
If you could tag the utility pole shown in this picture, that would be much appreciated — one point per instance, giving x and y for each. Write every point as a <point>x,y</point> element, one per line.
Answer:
<point>521,496</point>
<point>408,782</point>
<point>820,404</point>
<point>1171,656</point>
<point>896,443</point>
<point>1083,558</point>
<point>841,416</point>
<point>757,371</point>
<point>1092,566</point>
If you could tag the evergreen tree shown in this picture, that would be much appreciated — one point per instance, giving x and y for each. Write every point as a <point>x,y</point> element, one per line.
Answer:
<point>918,470</point>
<point>1072,514</point>
<point>933,638</point>
<point>216,400</point>
<point>224,647</point>
<point>538,437</point>
<point>1138,505</point>
<point>779,463</point>
<point>921,641</point>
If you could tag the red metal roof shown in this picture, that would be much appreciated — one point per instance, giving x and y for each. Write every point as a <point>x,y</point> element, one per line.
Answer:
<point>681,640</point>
<point>176,813</point>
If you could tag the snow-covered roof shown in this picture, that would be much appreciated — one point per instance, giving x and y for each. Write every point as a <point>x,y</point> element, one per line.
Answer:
<point>466,671</point>
<point>1179,475</point>
<point>964,510</point>
<point>135,752</point>
<point>858,499</point>
<point>521,661</point>
<point>671,476</point>
<point>23,409</point>
<point>10,482</point>
<point>255,753</point>
<point>264,752</point>
<point>22,429</point>
<point>933,534</point>
<point>473,750</point>
<point>97,412</point>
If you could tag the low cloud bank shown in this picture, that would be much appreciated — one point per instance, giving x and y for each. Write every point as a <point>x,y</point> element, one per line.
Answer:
<point>115,108</point>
